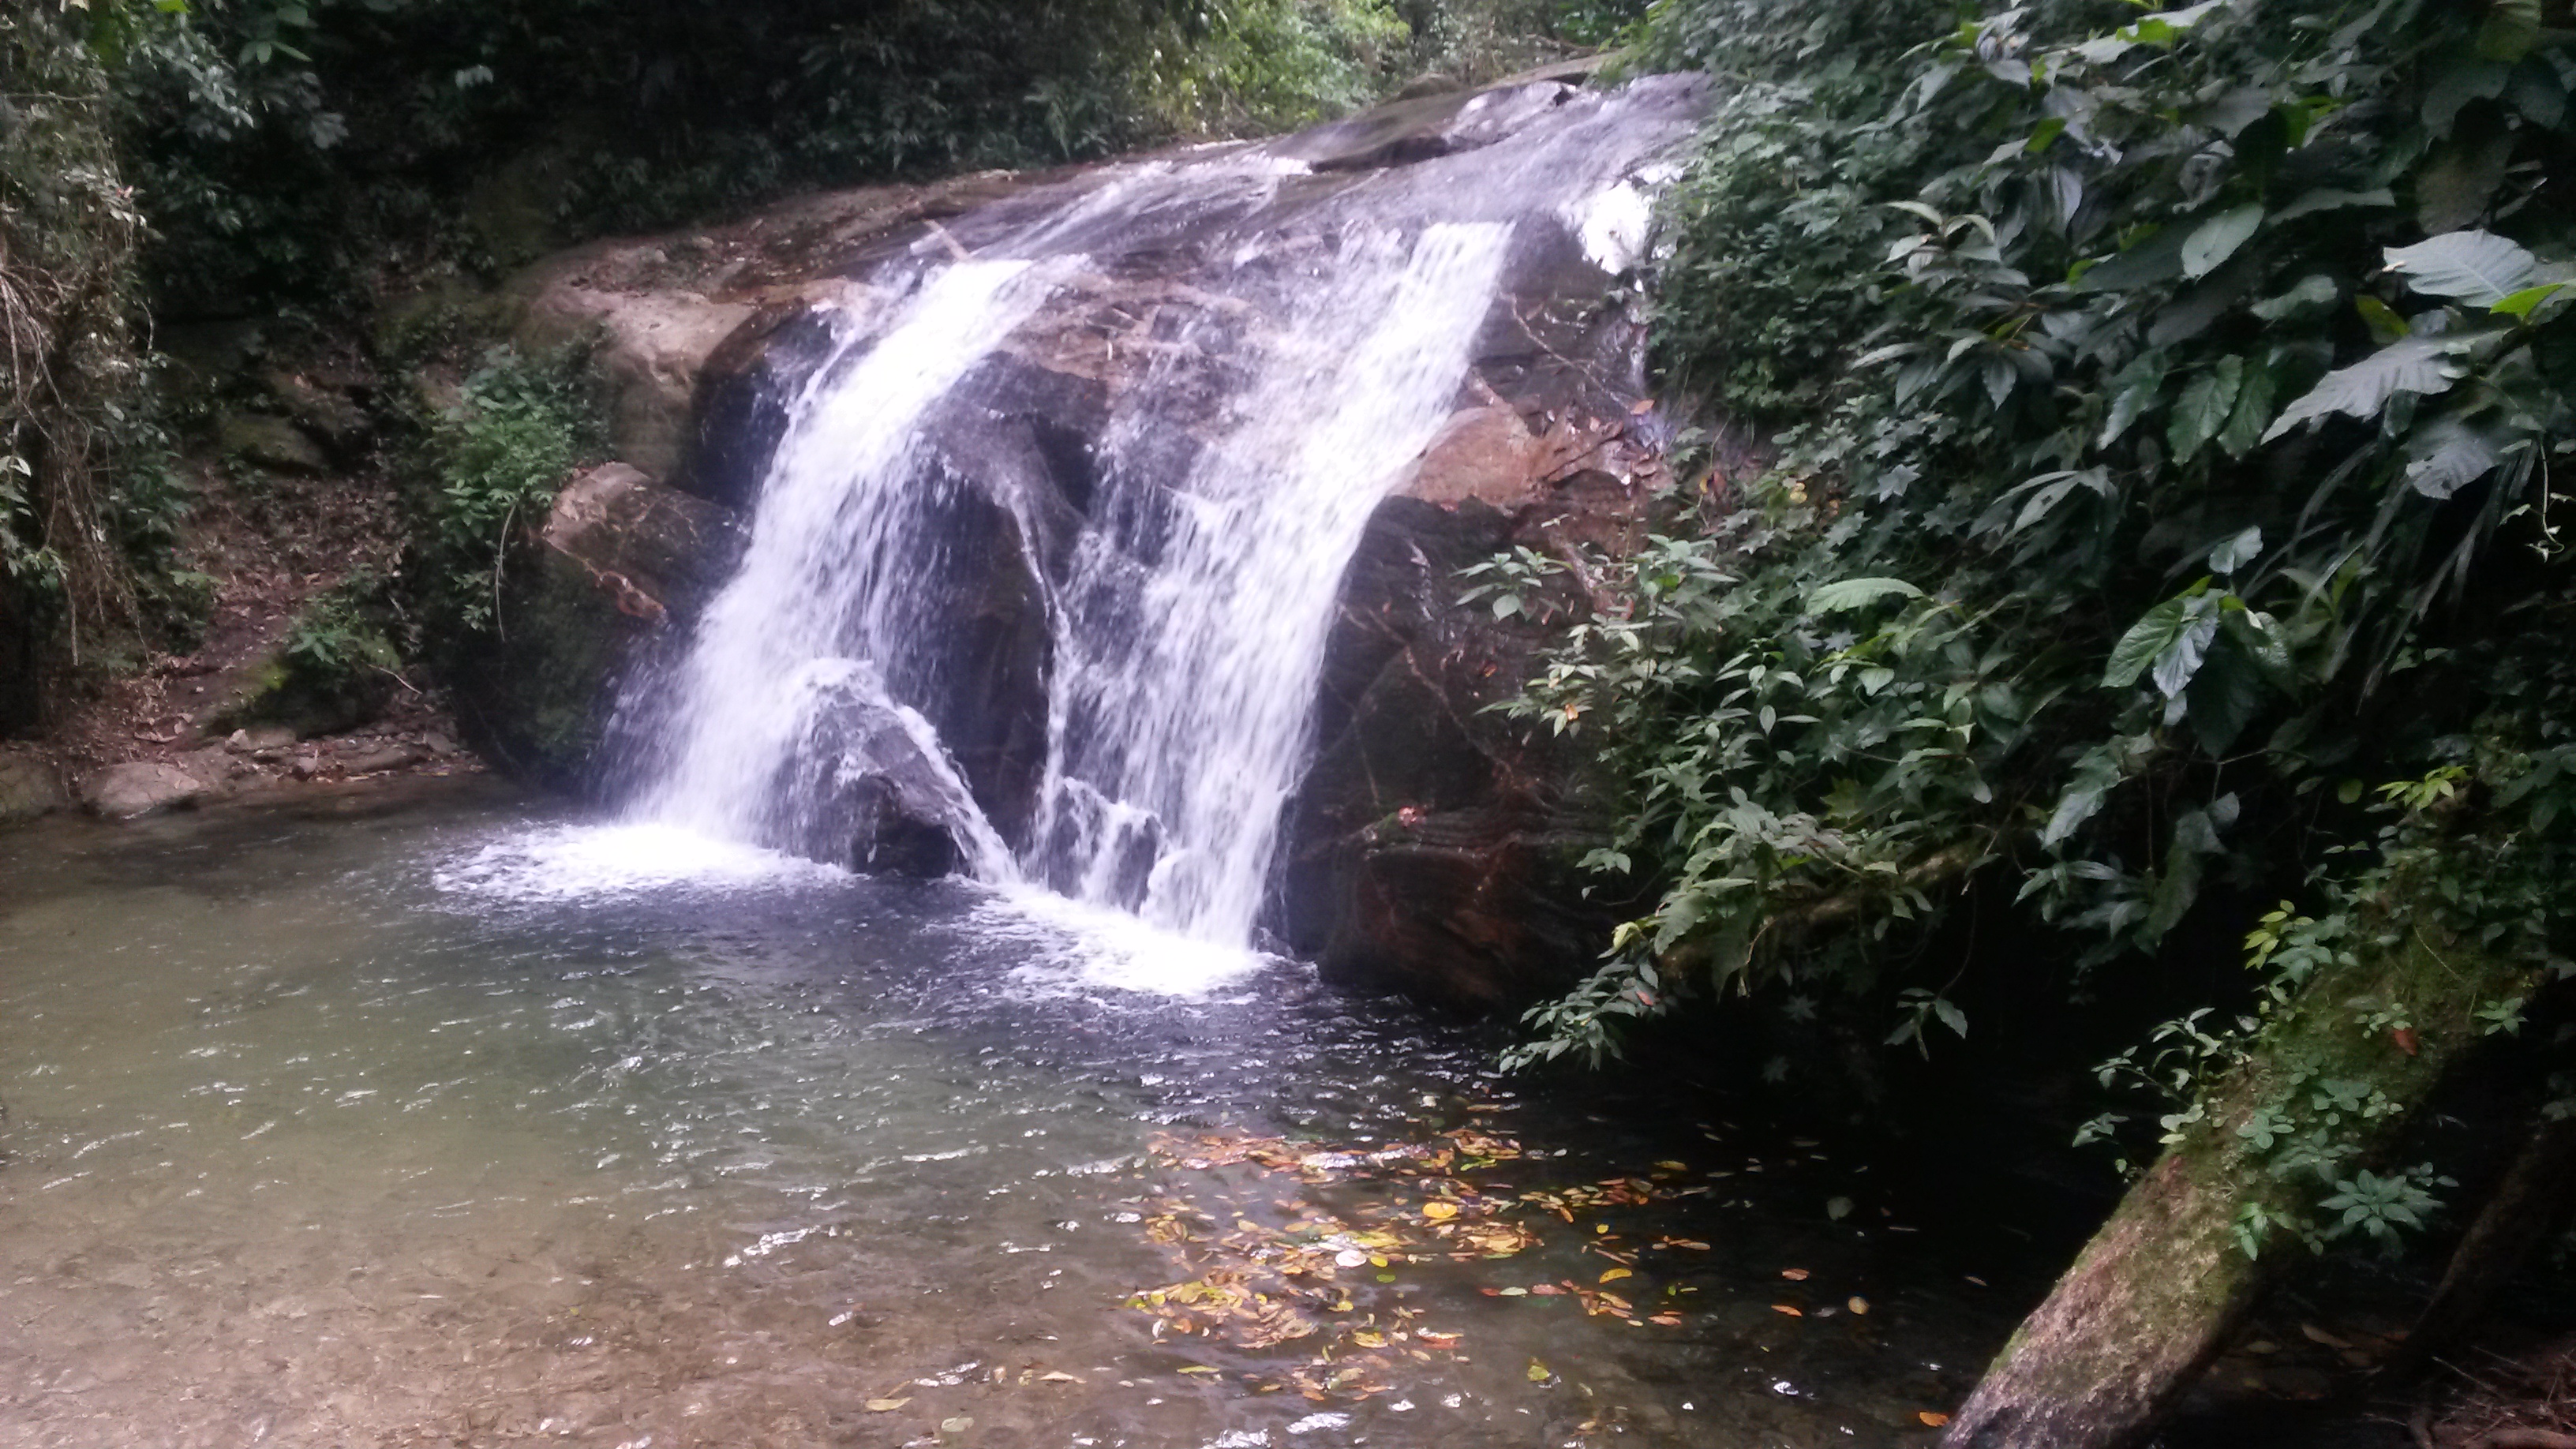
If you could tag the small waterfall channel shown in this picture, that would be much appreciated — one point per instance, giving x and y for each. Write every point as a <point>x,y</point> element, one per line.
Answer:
<point>1320,324</point>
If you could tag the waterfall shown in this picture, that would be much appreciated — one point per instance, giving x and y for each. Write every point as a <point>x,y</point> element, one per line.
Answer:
<point>846,519</point>
<point>1177,720</point>
<point>1275,335</point>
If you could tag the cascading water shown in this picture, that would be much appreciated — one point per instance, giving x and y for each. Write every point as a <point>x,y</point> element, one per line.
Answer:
<point>1181,693</point>
<point>819,612</point>
<point>1312,341</point>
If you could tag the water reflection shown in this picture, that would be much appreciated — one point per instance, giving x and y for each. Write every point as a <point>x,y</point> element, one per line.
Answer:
<point>336,1131</point>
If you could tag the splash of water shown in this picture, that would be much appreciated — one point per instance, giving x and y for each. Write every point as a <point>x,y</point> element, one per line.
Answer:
<point>1178,718</point>
<point>845,521</point>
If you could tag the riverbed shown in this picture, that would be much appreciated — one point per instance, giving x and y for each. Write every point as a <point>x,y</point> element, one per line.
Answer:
<point>442,1116</point>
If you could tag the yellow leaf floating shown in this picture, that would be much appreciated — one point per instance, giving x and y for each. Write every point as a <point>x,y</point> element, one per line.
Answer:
<point>1857,1304</point>
<point>1538,1373</point>
<point>1440,1211</point>
<point>1932,1420</point>
<point>1615,1273</point>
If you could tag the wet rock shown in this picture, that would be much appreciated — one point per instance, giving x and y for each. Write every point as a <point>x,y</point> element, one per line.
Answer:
<point>873,789</point>
<point>390,756</point>
<point>30,786</point>
<point>646,349</point>
<point>270,442</point>
<point>141,787</point>
<point>889,838</point>
<point>215,765</point>
<point>624,562</point>
<point>324,411</point>
<point>260,739</point>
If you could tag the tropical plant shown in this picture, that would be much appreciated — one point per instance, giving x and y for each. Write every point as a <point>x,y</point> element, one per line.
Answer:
<point>2167,404</point>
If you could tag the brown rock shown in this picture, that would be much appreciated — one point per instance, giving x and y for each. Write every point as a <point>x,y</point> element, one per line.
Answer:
<point>383,757</point>
<point>29,786</point>
<point>139,788</point>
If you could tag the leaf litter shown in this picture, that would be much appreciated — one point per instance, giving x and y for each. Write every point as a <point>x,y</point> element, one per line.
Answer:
<point>1264,1269</point>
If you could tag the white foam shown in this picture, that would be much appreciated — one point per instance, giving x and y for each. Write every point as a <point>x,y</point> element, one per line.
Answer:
<point>1075,946</point>
<point>583,861</point>
<point>1614,225</point>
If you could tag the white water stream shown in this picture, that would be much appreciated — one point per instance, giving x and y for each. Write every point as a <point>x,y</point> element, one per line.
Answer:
<point>1181,694</point>
<point>1316,346</point>
<point>840,533</point>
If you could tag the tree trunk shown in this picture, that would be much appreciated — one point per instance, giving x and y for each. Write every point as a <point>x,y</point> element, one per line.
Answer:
<point>2158,1291</point>
<point>2527,1206</point>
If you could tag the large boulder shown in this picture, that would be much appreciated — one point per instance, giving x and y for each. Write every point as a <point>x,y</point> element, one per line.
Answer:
<point>142,787</point>
<point>30,786</point>
<point>875,789</point>
<point>621,564</point>
<point>1434,845</point>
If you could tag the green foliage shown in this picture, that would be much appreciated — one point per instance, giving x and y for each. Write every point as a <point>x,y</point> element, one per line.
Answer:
<point>493,465</point>
<point>2169,402</point>
<point>338,660</point>
<point>73,423</point>
<point>288,149</point>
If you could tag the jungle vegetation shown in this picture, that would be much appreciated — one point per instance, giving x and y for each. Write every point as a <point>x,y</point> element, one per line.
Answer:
<point>2161,543</point>
<point>164,162</point>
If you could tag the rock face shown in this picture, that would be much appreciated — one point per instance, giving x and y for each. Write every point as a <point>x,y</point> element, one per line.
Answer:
<point>1433,845</point>
<point>140,788</point>
<point>622,560</point>
<point>29,787</point>
<point>877,791</point>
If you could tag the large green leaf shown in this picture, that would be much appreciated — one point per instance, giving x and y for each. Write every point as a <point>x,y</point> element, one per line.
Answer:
<point>2253,411</point>
<point>2215,240</point>
<point>1844,594</point>
<point>2448,456</point>
<point>2133,391</point>
<point>2207,401</point>
<point>2155,632</point>
<point>2158,258</point>
<point>2478,267</point>
<point>2410,364</point>
<point>2331,199</point>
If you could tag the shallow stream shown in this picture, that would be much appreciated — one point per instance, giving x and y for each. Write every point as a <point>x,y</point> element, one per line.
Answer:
<point>434,1117</point>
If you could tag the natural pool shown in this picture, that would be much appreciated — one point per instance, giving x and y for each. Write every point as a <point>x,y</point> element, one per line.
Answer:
<point>432,1116</point>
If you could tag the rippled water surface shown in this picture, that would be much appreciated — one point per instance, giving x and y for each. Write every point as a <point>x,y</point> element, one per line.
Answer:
<point>430,1119</point>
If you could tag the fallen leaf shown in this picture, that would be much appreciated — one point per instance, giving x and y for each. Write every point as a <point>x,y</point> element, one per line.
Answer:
<point>1614,1273</point>
<point>1198,1369</point>
<point>1538,1373</point>
<point>1674,1166</point>
<point>1794,1275</point>
<point>1668,1320</point>
<point>886,1406</point>
<point>1512,1292</point>
<point>1785,1308</point>
<point>1059,1376</point>
<point>1545,1288</point>
<point>1857,1304</point>
<point>2315,1334</point>
<point>1932,1420</point>
<point>1440,1211</point>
